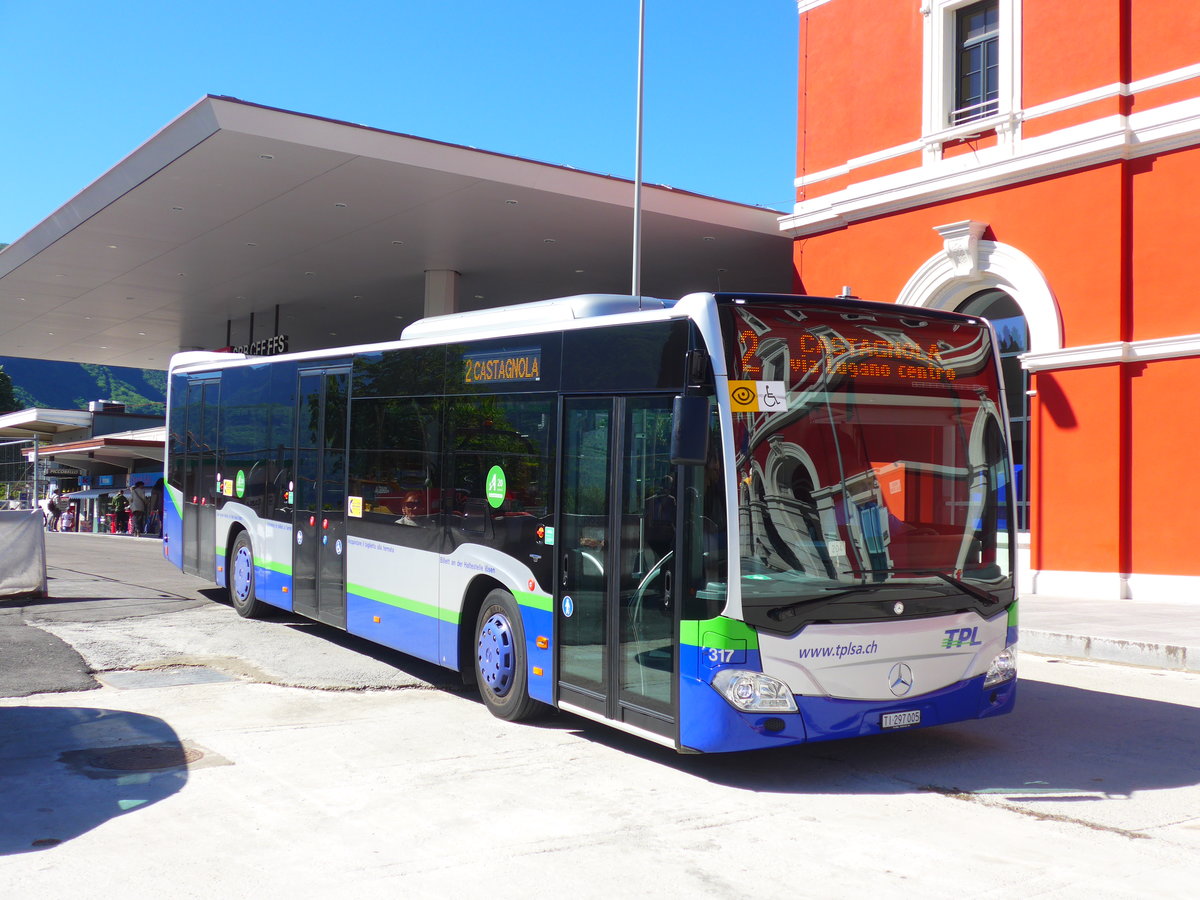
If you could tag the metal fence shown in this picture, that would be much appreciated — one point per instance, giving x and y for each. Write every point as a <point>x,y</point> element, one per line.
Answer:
<point>18,489</point>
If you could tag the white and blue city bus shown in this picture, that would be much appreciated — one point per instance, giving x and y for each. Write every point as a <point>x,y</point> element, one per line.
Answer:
<point>720,523</point>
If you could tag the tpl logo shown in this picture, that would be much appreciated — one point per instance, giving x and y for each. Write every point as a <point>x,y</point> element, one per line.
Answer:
<point>961,637</point>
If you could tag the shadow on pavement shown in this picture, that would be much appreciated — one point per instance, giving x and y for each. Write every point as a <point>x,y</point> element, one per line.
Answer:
<point>67,770</point>
<point>439,677</point>
<point>1062,745</point>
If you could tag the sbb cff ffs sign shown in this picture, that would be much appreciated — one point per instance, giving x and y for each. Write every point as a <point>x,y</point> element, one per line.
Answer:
<point>271,346</point>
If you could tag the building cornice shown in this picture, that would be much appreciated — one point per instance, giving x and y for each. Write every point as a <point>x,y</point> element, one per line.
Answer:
<point>1176,347</point>
<point>959,132</point>
<point>1104,140</point>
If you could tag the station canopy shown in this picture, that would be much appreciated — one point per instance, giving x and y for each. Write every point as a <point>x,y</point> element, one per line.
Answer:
<point>45,424</point>
<point>238,222</point>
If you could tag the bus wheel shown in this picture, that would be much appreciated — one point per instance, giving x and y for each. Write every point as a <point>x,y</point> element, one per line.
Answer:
<point>500,666</point>
<point>241,578</point>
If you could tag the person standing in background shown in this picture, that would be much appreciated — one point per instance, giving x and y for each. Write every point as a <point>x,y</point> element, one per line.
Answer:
<point>155,510</point>
<point>137,509</point>
<point>119,515</point>
<point>54,509</point>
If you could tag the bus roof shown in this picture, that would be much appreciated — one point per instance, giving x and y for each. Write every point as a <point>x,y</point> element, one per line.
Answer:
<point>536,314</point>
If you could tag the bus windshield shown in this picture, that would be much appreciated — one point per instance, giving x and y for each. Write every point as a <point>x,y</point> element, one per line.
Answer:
<point>871,462</point>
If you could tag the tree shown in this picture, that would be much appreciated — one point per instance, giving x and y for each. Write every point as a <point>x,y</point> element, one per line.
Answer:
<point>8,399</point>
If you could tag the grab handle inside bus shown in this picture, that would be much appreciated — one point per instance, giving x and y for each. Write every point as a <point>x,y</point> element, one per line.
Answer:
<point>689,430</point>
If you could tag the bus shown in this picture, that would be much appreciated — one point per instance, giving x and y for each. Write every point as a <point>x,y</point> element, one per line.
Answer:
<point>723,522</point>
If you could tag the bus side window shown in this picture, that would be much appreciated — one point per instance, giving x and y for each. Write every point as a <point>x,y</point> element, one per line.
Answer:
<point>500,468</point>
<point>394,465</point>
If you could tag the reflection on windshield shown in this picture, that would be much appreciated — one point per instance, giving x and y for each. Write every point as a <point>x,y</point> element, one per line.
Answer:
<point>886,464</point>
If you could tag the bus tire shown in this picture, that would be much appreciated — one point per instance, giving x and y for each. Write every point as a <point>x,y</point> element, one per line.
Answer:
<point>501,669</point>
<point>241,579</point>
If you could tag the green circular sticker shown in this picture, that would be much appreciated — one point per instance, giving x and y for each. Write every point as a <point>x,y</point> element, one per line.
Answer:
<point>496,487</point>
<point>240,485</point>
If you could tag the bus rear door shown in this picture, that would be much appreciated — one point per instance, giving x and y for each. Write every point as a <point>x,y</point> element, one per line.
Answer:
<point>199,509</point>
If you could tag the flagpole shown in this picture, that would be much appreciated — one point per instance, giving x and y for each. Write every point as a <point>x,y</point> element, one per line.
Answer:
<point>637,165</point>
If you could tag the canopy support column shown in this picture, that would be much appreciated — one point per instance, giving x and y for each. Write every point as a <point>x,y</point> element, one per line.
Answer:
<point>441,291</point>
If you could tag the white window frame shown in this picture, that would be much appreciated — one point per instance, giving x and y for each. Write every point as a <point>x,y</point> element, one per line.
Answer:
<point>941,63</point>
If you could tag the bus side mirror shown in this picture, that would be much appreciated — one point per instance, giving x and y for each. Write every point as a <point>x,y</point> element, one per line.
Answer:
<point>689,431</point>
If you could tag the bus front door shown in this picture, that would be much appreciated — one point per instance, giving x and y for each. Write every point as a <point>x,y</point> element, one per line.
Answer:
<point>319,523</point>
<point>617,620</point>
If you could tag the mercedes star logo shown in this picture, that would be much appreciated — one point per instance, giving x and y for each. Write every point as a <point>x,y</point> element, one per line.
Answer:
<point>900,679</point>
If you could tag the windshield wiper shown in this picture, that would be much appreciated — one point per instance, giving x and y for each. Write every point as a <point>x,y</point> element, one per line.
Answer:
<point>978,593</point>
<point>779,613</point>
<point>791,610</point>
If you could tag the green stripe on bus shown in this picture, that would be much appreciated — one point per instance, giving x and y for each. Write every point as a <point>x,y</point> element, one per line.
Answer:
<point>281,568</point>
<point>176,497</point>
<point>719,633</point>
<point>406,603</point>
<point>537,601</point>
<point>1012,615</point>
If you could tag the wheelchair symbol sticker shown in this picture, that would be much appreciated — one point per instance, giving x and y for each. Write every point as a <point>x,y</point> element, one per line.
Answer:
<point>758,396</point>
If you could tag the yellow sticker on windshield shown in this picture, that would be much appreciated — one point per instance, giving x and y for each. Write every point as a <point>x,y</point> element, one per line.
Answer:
<point>758,396</point>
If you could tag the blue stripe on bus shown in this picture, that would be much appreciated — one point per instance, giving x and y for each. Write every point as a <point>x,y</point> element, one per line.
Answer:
<point>269,587</point>
<point>172,535</point>
<point>401,629</point>
<point>539,623</point>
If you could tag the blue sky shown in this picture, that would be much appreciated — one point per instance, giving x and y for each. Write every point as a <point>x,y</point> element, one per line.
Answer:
<point>86,83</point>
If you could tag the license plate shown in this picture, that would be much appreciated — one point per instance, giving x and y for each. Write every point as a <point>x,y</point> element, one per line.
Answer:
<point>901,719</point>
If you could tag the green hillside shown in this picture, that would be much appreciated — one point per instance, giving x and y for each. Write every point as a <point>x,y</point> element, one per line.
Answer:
<point>63,385</point>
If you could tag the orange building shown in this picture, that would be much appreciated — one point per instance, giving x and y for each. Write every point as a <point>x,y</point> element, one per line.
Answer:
<point>1037,163</point>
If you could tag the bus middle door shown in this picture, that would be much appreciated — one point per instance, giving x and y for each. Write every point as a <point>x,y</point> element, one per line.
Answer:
<point>319,516</point>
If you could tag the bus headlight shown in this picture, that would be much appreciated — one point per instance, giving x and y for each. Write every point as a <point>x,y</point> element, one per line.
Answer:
<point>754,691</point>
<point>1003,668</point>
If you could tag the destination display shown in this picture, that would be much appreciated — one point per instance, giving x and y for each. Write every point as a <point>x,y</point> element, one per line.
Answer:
<point>503,366</point>
<point>878,347</point>
<point>840,355</point>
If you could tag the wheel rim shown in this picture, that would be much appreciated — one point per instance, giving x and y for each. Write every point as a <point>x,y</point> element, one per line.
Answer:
<point>497,659</point>
<point>243,572</point>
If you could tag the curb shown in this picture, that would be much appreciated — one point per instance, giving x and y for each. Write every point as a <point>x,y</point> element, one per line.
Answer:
<point>1134,653</point>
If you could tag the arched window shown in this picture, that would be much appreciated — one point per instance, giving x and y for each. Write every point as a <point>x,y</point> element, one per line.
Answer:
<point>1013,334</point>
